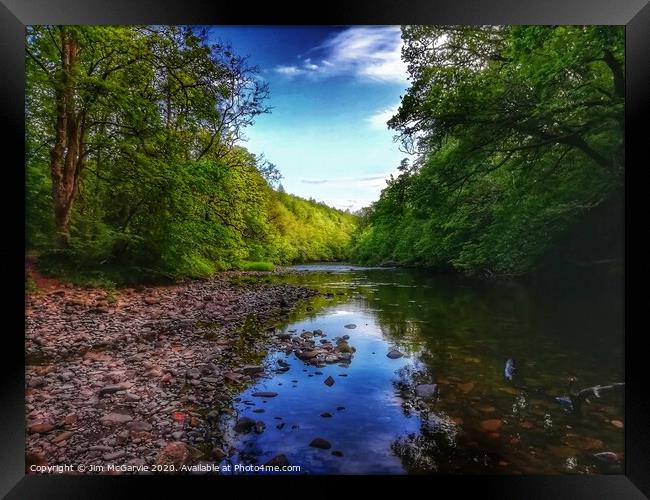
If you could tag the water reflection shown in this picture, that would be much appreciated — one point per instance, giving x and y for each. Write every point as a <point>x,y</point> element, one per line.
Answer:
<point>456,334</point>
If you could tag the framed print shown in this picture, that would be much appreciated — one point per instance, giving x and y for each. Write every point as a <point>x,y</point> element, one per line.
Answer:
<point>375,242</point>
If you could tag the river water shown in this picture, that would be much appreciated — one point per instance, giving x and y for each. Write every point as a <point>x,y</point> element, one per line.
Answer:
<point>457,334</point>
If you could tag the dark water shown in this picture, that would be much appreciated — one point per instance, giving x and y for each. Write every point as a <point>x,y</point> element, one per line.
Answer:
<point>458,334</point>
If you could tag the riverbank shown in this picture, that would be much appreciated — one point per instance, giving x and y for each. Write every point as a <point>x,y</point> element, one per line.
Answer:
<point>124,376</point>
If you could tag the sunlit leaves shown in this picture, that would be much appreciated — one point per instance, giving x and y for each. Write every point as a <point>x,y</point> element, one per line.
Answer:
<point>519,131</point>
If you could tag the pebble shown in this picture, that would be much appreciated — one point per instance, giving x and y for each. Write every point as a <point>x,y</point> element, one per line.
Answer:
<point>62,437</point>
<point>153,361</point>
<point>116,418</point>
<point>109,457</point>
<point>40,428</point>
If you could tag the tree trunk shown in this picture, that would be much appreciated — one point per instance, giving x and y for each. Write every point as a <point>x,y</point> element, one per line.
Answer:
<point>65,156</point>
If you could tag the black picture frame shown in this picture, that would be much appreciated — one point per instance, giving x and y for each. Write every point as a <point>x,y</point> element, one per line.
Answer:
<point>15,14</point>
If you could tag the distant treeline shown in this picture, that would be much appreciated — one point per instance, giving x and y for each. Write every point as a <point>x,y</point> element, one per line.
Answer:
<point>133,167</point>
<point>518,140</point>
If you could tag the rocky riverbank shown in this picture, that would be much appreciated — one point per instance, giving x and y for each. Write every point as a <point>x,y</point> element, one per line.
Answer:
<point>140,376</point>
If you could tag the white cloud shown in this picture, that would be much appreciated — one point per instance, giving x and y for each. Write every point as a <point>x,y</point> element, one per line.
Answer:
<point>289,71</point>
<point>378,120</point>
<point>371,181</point>
<point>369,53</point>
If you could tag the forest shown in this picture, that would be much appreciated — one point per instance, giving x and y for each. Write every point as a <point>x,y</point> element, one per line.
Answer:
<point>518,138</point>
<point>468,320</point>
<point>135,168</point>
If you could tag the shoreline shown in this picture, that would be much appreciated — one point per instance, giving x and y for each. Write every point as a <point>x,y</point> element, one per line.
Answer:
<point>142,376</point>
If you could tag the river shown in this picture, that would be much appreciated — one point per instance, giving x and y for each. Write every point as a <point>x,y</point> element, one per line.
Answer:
<point>455,333</point>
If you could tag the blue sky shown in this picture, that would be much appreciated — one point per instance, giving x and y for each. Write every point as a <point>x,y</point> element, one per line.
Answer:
<point>332,90</point>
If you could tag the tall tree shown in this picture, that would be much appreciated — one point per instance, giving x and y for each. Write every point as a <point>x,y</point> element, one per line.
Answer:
<point>518,132</point>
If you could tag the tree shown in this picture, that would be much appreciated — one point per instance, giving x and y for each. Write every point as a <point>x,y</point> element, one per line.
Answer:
<point>134,137</point>
<point>140,84</point>
<point>518,132</point>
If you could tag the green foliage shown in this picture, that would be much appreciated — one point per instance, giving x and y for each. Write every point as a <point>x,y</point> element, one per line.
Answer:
<point>163,190</point>
<point>256,266</point>
<point>307,231</point>
<point>518,133</point>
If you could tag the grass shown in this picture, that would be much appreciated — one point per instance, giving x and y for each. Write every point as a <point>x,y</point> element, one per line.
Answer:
<point>88,274</point>
<point>256,266</point>
<point>30,285</point>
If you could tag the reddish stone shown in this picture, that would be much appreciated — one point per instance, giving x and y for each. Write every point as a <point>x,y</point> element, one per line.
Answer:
<point>491,425</point>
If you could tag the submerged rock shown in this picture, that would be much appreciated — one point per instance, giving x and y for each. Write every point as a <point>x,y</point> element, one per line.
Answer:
<point>617,423</point>
<point>426,390</point>
<point>608,457</point>
<point>394,354</point>
<point>278,461</point>
<point>582,442</point>
<point>244,424</point>
<point>320,443</point>
<point>468,387</point>
<point>264,394</point>
<point>491,425</point>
